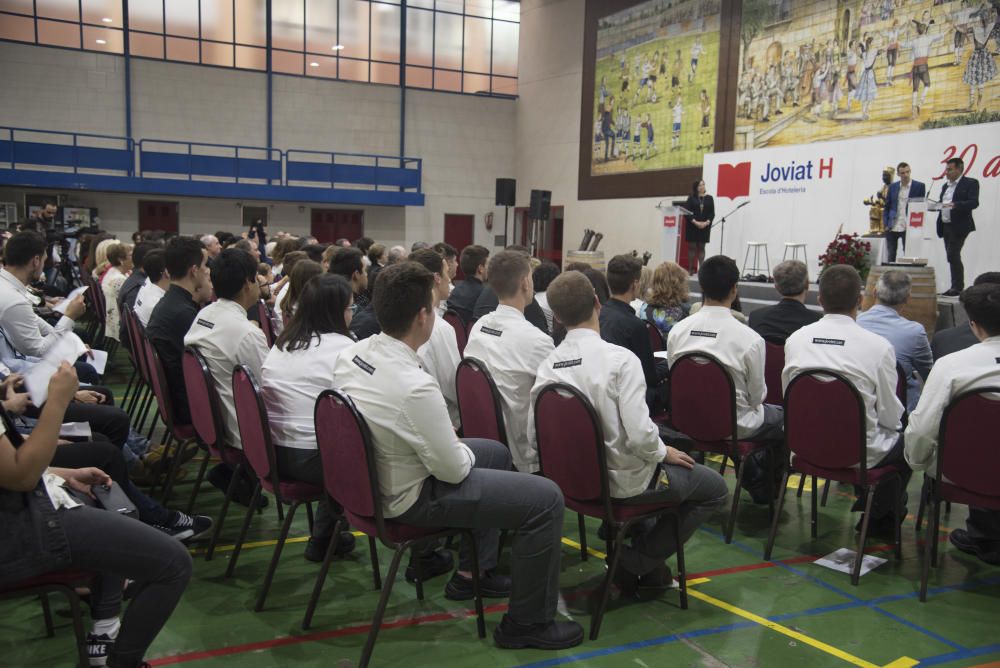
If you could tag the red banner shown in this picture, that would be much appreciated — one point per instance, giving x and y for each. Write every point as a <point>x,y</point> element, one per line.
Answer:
<point>917,219</point>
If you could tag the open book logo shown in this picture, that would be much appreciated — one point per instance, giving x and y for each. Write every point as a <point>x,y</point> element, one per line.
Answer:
<point>917,219</point>
<point>734,180</point>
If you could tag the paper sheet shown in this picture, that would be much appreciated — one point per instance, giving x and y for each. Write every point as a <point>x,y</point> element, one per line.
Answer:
<point>67,349</point>
<point>661,354</point>
<point>64,304</point>
<point>75,430</point>
<point>100,361</point>
<point>843,560</point>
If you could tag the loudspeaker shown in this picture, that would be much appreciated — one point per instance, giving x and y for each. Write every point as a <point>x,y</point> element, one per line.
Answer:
<point>541,200</point>
<point>506,189</point>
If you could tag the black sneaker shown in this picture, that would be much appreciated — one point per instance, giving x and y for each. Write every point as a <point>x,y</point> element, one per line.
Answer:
<point>185,527</point>
<point>316,547</point>
<point>491,585</point>
<point>432,565</point>
<point>551,635</point>
<point>987,552</point>
<point>99,648</point>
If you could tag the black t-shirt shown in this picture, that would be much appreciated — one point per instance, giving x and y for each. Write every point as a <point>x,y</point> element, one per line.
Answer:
<point>168,324</point>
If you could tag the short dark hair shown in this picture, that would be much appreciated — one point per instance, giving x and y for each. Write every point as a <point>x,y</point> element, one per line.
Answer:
<point>429,259</point>
<point>345,261</point>
<point>956,162</point>
<point>322,303</point>
<point>140,250</point>
<point>363,244</point>
<point>401,291</point>
<point>839,287</point>
<point>290,261</point>
<point>153,264</point>
<point>375,251</point>
<point>982,304</point>
<point>472,258</point>
<point>22,248</point>
<point>623,271</point>
<point>988,277</point>
<point>505,272</point>
<point>445,249</point>
<point>717,276</point>
<point>571,298</point>
<point>901,165</point>
<point>600,283</point>
<point>182,254</point>
<point>544,274</point>
<point>231,270</point>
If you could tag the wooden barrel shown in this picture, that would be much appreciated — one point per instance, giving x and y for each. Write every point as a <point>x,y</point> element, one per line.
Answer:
<point>922,306</point>
<point>594,259</point>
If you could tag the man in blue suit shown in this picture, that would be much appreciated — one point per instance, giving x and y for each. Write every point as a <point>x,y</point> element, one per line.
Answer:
<point>959,198</point>
<point>896,215</point>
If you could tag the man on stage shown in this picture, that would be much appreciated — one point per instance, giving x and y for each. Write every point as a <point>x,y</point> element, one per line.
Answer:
<point>959,198</point>
<point>896,214</point>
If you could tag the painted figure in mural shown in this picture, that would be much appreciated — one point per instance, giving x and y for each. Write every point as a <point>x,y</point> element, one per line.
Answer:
<point>981,68</point>
<point>877,202</point>
<point>920,47</point>
<point>868,85</point>
<point>891,50</point>
<point>705,132</point>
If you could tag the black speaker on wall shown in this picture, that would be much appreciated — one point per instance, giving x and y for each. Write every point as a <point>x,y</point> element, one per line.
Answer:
<point>541,201</point>
<point>506,192</point>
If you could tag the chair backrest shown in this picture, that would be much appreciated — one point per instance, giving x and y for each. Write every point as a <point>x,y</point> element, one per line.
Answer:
<point>461,333</point>
<point>901,384</point>
<point>203,399</point>
<point>967,452</point>
<point>825,420</point>
<point>774,363</point>
<point>134,349</point>
<point>264,317</point>
<point>158,382</point>
<point>571,444</point>
<point>479,403</point>
<point>255,432</point>
<point>656,341</point>
<point>348,457</point>
<point>702,398</point>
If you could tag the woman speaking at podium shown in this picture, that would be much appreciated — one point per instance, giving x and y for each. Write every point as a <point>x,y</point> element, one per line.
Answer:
<point>698,227</point>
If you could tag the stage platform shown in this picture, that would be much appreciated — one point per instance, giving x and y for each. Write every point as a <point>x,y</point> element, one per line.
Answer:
<point>757,295</point>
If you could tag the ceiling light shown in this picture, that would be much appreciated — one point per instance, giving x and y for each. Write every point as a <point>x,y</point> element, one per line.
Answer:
<point>108,19</point>
<point>102,41</point>
<point>314,64</point>
<point>337,47</point>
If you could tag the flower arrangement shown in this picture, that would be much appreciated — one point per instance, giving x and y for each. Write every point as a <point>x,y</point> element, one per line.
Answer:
<point>847,249</point>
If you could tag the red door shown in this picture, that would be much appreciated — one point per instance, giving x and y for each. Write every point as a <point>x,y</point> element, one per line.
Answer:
<point>155,216</point>
<point>328,225</point>
<point>458,231</point>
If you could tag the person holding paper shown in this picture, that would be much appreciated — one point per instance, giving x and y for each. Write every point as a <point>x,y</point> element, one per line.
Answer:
<point>896,214</point>
<point>959,198</point>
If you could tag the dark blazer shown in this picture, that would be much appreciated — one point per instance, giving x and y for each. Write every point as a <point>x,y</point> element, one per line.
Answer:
<point>776,323</point>
<point>917,189</point>
<point>965,199</point>
<point>462,299</point>
<point>951,340</point>
<point>488,302</point>
<point>364,323</point>
<point>622,327</point>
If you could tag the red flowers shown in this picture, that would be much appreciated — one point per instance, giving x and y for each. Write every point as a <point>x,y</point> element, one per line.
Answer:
<point>847,249</point>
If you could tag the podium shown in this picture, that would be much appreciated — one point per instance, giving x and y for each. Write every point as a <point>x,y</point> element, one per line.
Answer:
<point>670,218</point>
<point>920,233</point>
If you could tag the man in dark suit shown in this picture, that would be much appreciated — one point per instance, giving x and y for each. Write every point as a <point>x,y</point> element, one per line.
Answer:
<point>463,298</point>
<point>776,323</point>
<point>896,215</point>
<point>953,339</point>
<point>959,198</point>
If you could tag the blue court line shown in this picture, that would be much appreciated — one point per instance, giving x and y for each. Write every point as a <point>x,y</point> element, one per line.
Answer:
<point>715,630</point>
<point>959,656</point>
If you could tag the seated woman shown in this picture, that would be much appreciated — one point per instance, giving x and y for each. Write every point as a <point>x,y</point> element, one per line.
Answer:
<point>120,266</point>
<point>298,368</point>
<point>303,271</point>
<point>668,297</point>
<point>47,529</point>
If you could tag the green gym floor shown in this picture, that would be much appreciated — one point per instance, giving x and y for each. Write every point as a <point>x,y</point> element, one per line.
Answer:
<point>743,611</point>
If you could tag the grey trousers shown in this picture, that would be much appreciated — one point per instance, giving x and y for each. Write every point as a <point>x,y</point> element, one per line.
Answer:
<point>492,497</point>
<point>773,427</point>
<point>699,491</point>
<point>305,466</point>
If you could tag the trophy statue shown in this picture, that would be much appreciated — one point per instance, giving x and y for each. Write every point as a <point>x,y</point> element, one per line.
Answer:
<point>876,204</point>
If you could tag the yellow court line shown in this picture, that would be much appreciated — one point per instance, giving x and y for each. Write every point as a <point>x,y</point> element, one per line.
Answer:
<point>591,551</point>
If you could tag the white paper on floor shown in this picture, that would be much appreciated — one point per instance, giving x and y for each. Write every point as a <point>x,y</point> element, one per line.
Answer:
<point>843,560</point>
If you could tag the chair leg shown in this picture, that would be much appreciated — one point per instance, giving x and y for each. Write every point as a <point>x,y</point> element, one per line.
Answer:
<point>217,529</point>
<point>777,516</point>
<point>50,629</point>
<point>860,554</point>
<point>376,572</point>
<point>281,511</point>
<point>826,492</point>
<point>595,623</point>
<point>722,466</point>
<point>583,536</point>
<point>925,572</point>
<point>175,466</point>
<point>813,511</point>
<point>321,577</point>
<point>243,531</point>
<point>934,535</point>
<point>899,516</point>
<point>923,504</point>
<point>802,485</point>
<point>383,601</point>
<point>269,578</point>
<point>681,568</point>
<point>161,466</point>
<point>81,635</point>
<point>309,517</point>
<point>476,592</point>
<point>198,481</point>
<point>731,521</point>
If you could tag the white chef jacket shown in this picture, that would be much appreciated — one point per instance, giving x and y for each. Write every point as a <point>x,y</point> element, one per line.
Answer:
<point>611,378</point>
<point>26,332</point>
<point>440,358</point>
<point>149,296</point>
<point>223,334</point>
<point>511,349</point>
<point>406,413</point>
<point>866,359</point>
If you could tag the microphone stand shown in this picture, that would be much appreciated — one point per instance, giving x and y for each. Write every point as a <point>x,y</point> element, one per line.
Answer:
<point>722,222</point>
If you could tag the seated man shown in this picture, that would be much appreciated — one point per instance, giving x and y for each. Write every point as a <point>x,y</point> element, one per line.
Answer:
<point>347,262</point>
<point>488,299</point>
<point>463,298</point>
<point>962,371</point>
<point>776,323</point>
<point>908,338</point>
<point>960,337</point>
<point>430,478</point>
<point>156,285</point>
<point>511,348</point>
<point>838,343</point>
<point>640,467</point>
<point>622,327</point>
<point>130,288</point>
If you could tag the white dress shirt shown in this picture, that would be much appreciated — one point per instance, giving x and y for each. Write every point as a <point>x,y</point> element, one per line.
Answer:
<point>440,358</point>
<point>946,198</point>
<point>611,378</point>
<point>511,349</point>
<point>406,413</point>
<point>902,202</point>
<point>149,296</point>
<point>866,359</point>
<point>715,331</point>
<point>223,334</point>
<point>26,332</point>
<point>961,371</point>
<point>290,382</point>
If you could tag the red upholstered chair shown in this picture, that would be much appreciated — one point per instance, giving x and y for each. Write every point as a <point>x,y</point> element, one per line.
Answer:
<point>461,330</point>
<point>264,318</point>
<point>571,453</point>
<point>206,418</point>
<point>63,582</point>
<point>138,386</point>
<point>968,463</point>
<point>825,429</point>
<point>255,435</point>
<point>479,402</point>
<point>704,409</point>
<point>656,341</point>
<point>351,476</point>
<point>774,364</point>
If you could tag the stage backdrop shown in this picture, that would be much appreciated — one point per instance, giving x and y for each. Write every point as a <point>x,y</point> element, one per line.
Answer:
<point>804,193</point>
